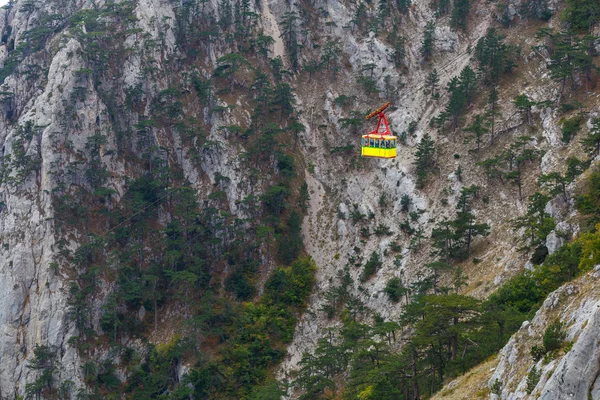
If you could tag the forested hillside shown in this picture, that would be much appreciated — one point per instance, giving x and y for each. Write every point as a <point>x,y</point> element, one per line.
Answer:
<point>185,212</point>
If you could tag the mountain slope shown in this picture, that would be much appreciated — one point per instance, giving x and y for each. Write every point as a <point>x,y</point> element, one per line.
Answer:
<point>167,166</point>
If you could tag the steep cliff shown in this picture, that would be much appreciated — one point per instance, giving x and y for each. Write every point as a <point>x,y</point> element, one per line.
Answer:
<point>166,165</point>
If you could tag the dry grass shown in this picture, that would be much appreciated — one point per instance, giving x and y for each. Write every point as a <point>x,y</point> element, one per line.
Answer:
<point>472,385</point>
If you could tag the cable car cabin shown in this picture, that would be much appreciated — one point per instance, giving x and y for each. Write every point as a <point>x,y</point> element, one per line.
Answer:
<point>378,146</point>
<point>379,143</point>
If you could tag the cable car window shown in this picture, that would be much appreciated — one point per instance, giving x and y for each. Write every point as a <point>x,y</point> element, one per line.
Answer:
<point>387,144</point>
<point>377,143</point>
<point>372,143</point>
<point>362,142</point>
<point>394,143</point>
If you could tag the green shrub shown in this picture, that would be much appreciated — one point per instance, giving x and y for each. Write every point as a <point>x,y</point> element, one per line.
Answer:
<point>537,352</point>
<point>371,267</point>
<point>554,336</point>
<point>532,379</point>
<point>291,285</point>
<point>497,387</point>
<point>570,126</point>
<point>395,290</point>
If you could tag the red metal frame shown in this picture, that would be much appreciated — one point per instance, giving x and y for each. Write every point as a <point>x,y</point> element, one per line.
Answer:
<point>380,117</point>
<point>386,132</point>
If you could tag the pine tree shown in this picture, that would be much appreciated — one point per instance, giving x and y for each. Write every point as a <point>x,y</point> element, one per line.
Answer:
<point>459,279</point>
<point>591,143</point>
<point>583,61</point>
<point>478,128</point>
<point>225,14</point>
<point>581,15</point>
<point>492,169</point>
<point>468,82</point>
<point>537,223</point>
<point>399,52</point>
<point>460,12</point>
<point>427,45</point>
<point>289,34</point>
<point>432,83</point>
<point>360,16</point>
<point>443,7</point>
<point>492,56</point>
<point>437,268</point>
<point>443,240</point>
<point>524,105</point>
<point>465,226</point>
<point>492,112</point>
<point>330,56</point>
<point>556,183</point>
<point>383,10</point>
<point>229,65</point>
<point>517,155</point>
<point>403,6</point>
<point>457,103</point>
<point>283,97</point>
<point>424,159</point>
<point>536,9</point>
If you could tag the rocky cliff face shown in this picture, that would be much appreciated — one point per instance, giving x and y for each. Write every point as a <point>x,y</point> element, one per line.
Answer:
<point>56,107</point>
<point>570,375</point>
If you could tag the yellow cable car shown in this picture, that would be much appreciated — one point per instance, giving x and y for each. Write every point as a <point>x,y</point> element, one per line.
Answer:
<point>378,146</point>
<point>379,143</point>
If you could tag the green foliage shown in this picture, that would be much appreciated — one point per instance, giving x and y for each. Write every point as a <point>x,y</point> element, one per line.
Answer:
<point>405,202</point>
<point>570,126</point>
<point>269,391</point>
<point>155,372</point>
<point>533,377</point>
<point>395,290</point>
<point>382,230</point>
<point>571,56</point>
<point>575,167</point>
<point>304,197</point>
<point>24,159</point>
<point>290,240</point>
<point>536,9</point>
<point>338,295</point>
<point>371,267</point>
<point>241,281</point>
<point>452,239</point>
<point>330,56</point>
<point>478,128</point>
<point>285,164</point>
<point>275,198</point>
<point>555,183</point>
<point>537,223</point>
<point>461,89</point>
<point>289,33</point>
<point>588,202</point>
<point>290,286</point>
<point>428,42</point>
<point>497,387</point>
<point>591,143</point>
<point>554,336</point>
<point>524,104</point>
<point>431,84</point>
<point>424,160</point>
<point>398,46</point>
<point>45,364</point>
<point>537,352</point>
<point>449,333</point>
<point>460,13</point>
<point>581,15</point>
<point>494,57</point>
